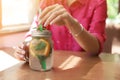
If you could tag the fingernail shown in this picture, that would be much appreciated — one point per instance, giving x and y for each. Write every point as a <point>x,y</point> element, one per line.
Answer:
<point>51,23</point>
<point>21,56</point>
<point>22,52</point>
<point>45,24</point>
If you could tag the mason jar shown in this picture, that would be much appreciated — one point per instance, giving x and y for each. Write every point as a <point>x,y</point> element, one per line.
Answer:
<point>41,51</point>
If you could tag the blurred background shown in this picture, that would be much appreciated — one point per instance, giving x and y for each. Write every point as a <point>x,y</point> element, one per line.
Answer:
<point>113,8</point>
<point>112,44</point>
<point>113,11</point>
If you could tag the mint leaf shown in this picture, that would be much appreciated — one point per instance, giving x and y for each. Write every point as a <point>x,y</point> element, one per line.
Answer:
<point>40,46</point>
<point>42,60</point>
<point>40,27</point>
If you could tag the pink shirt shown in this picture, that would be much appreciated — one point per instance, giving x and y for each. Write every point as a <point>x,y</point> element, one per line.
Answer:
<point>91,14</point>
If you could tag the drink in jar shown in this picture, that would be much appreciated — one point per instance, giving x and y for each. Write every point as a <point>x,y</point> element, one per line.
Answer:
<point>41,51</point>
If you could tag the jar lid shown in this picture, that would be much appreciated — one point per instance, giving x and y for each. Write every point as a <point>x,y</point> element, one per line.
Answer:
<point>44,33</point>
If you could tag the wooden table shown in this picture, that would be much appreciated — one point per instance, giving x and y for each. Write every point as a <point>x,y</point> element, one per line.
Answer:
<point>68,66</point>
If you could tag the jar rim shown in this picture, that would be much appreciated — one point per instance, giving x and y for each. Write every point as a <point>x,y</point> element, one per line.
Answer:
<point>44,33</point>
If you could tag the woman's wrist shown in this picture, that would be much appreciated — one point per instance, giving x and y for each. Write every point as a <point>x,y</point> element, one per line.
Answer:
<point>78,33</point>
<point>76,28</point>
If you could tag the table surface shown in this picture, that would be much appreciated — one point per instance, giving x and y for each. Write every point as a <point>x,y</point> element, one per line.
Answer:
<point>68,66</point>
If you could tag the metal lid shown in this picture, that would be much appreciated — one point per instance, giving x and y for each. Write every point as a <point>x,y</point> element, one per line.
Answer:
<point>44,33</point>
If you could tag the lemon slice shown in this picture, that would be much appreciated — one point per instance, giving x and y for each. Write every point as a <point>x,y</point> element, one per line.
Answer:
<point>47,47</point>
<point>31,48</point>
<point>41,47</point>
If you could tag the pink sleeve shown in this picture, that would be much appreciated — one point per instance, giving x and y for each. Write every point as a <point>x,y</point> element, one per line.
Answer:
<point>33,25</point>
<point>43,4</point>
<point>98,23</point>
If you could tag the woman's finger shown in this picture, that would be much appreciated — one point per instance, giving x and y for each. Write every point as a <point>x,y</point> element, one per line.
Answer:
<point>46,10</point>
<point>47,14</point>
<point>19,56</point>
<point>53,16</point>
<point>19,50</point>
<point>58,19</point>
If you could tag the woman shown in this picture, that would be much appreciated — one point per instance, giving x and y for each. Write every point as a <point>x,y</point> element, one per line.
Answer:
<point>76,25</point>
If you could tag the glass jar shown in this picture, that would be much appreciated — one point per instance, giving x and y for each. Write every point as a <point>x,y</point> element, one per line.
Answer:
<point>41,51</point>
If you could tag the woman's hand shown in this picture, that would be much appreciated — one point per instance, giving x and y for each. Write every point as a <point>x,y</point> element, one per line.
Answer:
<point>22,52</point>
<point>55,14</point>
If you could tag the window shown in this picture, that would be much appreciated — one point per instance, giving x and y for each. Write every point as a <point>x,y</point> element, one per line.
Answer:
<point>112,8</point>
<point>17,12</point>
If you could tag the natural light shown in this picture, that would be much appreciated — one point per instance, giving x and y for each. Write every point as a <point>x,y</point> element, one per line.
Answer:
<point>17,11</point>
<point>6,61</point>
<point>70,62</point>
<point>115,49</point>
